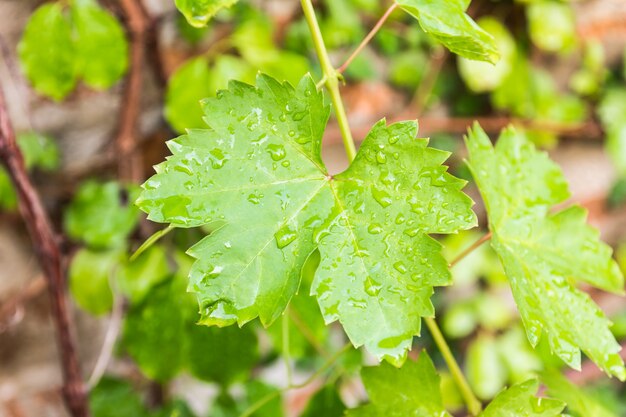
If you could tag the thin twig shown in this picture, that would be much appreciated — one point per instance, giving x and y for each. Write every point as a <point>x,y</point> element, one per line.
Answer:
<point>368,38</point>
<point>106,351</point>
<point>51,260</point>
<point>425,89</point>
<point>137,22</point>
<point>470,249</point>
<point>14,305</point>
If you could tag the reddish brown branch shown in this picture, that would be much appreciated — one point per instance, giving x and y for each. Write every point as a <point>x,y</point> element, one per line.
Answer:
<point>137,23</point>
<point>51,260</point>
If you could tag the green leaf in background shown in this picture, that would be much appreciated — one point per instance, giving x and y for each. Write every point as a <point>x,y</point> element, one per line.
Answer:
<point>155,330</point>
<point>47,52</point>
<point>195,80</point>
<point>612,112</point>
<point>176,408</point>
<point>199,12</point>
<point>326,402</point>
<point>413,390</point>
<point>100,214</point>
<point>222,355</point>
<point>258,169</point>
<point>544,254</point>
<point>521,361</point>
<point>484,368</point>
<point>519,401</point>
<point>39,151</point>
<point>254,39</point>
<point>447,22</point>
<point>551,25</point>
<point>137,277</point>
<point>579,402</point>
<point>89,275</point>
<point>101,47</point>
<point>482,76</point>
<point>115,398</point>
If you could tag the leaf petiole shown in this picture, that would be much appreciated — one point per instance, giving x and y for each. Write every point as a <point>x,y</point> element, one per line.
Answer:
<point>151,241</point>
<point>474,406</point>
<point>368,38</point>
<point>470,249</point>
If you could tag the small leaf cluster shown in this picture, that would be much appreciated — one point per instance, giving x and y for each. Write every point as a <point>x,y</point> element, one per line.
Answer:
<point>62,45</point>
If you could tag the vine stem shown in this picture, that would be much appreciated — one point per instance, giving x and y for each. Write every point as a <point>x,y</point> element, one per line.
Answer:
<point>269,397</point>
<point>474,406</point>
<point>368,38</point>
<point>470,249</point>
<point>52,262</point>
<point>331,77</point>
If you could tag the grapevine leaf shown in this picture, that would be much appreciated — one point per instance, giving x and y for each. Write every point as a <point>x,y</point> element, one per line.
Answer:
<point>579,403</point>
<point>47,52</point>
<point>222,355</point>
<point>115,398</point>
<point>199,12</point>
<point>100,216</point>
<point>155,330</point>
<point>612,112</point>
<point>519,401</point>
<point>543,253</point>
<point>137,277</point>
<point>551,25</point>
<point>326,402</point>
<point>89,277</point>
<point>102,50</point>
<point>39,151</point>
<point>176,408</point>
<point>257,174</point>
<point>413,390</point>
<point>447,22</point>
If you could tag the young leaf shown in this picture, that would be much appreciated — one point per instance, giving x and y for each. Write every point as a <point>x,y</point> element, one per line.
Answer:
<point>89,277</point>
<point>115,398</point>
<point>543,253</point>
<point>39,151</point>
<point>519,401</point>
<point>100,216</point>
<point>199,12</point>
<point>579,403</point>
<point>258,173</point>
<point>47,52</point>
<point>102,50</point>
<point>413,390</point>
<point>137,277</point>
<point>447,22</point>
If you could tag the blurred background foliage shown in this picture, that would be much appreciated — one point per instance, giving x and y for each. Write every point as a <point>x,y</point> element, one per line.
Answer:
<point>558,78</point>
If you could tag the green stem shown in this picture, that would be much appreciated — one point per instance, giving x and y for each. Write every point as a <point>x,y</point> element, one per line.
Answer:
<point>332,78</point>
<point>474,406</point>
<point>269,397</point>
<point>286,357</point>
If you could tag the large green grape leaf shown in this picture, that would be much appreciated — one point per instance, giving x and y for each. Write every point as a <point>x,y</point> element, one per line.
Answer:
<point>413,390</point>
<point>446,21</point>
<point>544,253</point>
<point>519,401</point>
<point>579,402</point>
<point>47,52</point>
<point>102,50</point>
<point>258,175</point>
<point>199,12</point>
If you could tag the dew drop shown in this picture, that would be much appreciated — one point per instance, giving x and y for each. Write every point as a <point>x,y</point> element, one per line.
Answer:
<point>375,228</point>
<point>285,236</point>
<point>277,152</point>
<point>400,267</point>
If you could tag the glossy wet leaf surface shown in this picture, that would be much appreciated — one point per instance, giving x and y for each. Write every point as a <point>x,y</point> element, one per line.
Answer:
<point>544,253</point>
<point>257,176</point>
<point>413,390</point>
<point>447,22</point>
<point>519,401</point>
<point>199,12</point>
